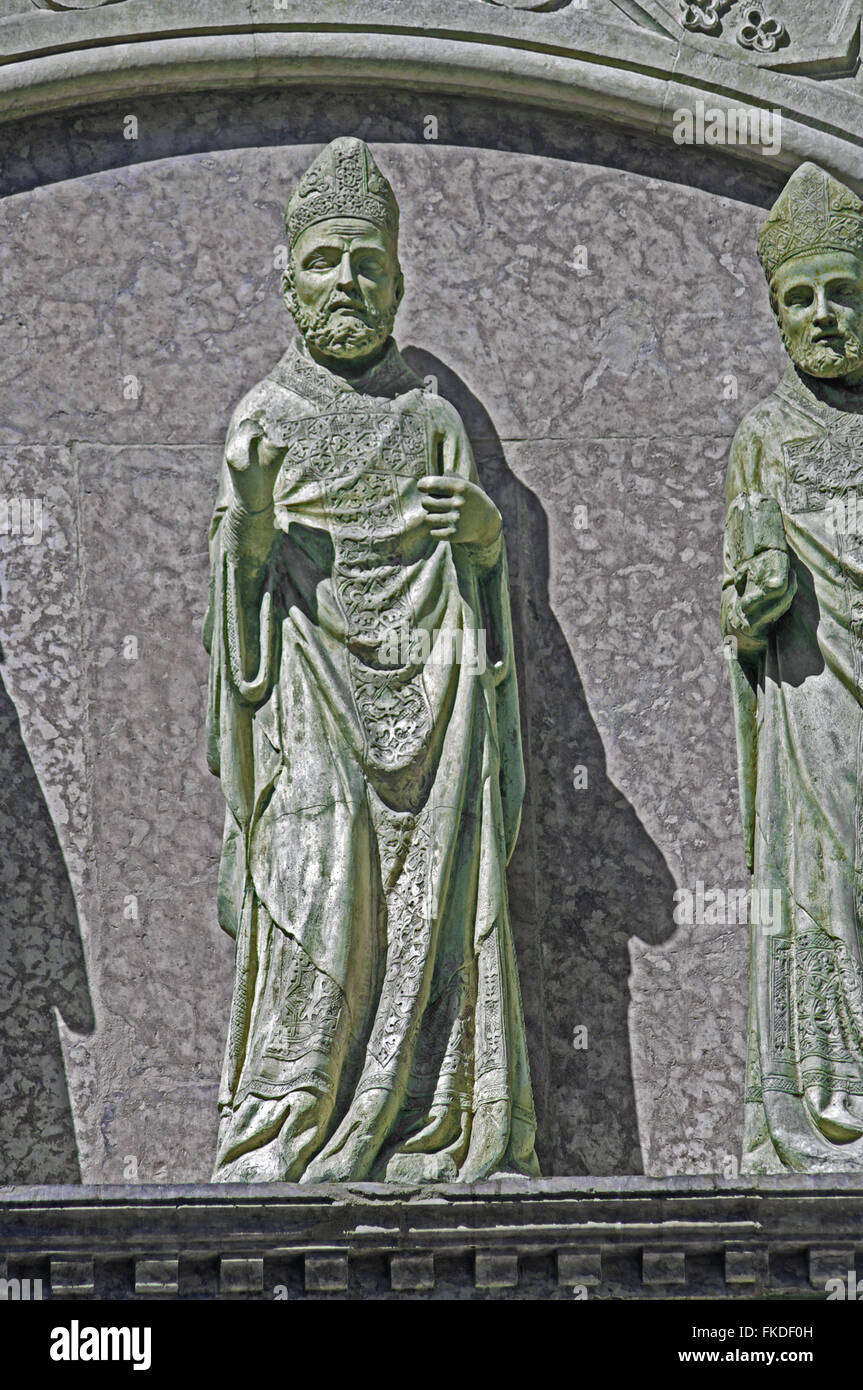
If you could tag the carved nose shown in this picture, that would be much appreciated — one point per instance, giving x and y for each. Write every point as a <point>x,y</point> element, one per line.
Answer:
<point>346,275</point>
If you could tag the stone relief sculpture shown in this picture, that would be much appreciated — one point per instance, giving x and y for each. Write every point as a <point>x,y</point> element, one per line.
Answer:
<point>793,612</point>
<point>364,723</point>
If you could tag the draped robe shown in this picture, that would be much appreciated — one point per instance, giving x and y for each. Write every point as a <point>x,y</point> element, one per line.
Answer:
<point>371,763</point>
<point>798,698</point>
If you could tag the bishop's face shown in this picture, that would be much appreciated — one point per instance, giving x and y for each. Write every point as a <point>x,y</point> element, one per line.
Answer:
<point>343,289</point>
<point>818,299</point>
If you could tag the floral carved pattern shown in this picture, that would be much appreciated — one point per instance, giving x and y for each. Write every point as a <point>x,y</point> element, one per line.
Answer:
<point>703,16</point>
<point>758,32</point>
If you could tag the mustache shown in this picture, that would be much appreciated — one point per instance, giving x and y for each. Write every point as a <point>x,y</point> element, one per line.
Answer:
<point>367,329</point>
<point>838,346</point>
<point>815,336</point>
<point>339,300</point>
<point>319,317</point>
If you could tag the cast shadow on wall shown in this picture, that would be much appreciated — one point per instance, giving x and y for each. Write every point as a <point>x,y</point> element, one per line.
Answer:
<point>41,966</point>
<point>585,876</point>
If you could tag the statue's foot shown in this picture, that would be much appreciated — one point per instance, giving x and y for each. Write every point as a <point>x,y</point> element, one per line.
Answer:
<point>854,1106</point>
<point>348,1157</point>
<point>302,1132</point>
<point>444,1126</point>
<point>489,1137</point>
<point>270,1140</point>
<point>414,1168</point>
<point>351,1152</point>
<point>832,1115</point>
<point>433,1154</point>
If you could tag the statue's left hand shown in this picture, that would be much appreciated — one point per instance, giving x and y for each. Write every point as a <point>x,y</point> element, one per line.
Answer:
<point>250,462</point>
<point>457,510</point>
<point>770,584</point>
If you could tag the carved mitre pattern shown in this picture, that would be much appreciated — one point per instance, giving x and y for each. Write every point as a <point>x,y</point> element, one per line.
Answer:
<point>344,181</point>
<point>814,212</point>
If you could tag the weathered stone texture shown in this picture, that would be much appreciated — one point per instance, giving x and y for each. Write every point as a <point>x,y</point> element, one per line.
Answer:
<point>611,381</point>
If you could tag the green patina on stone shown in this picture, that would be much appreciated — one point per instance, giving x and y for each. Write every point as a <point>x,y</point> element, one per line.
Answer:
<point>364,724</point>
<point>792,611</point>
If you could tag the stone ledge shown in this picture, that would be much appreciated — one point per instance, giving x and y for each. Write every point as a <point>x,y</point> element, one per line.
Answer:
<point>628,1237</point>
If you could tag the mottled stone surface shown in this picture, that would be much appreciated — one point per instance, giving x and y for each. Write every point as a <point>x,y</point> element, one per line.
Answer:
<point>162,973</point>
<point>610,379</point>
<point>44,823</point>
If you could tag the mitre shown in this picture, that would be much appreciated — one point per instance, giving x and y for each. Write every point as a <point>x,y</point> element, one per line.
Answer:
<point>344,181</point>
<point>814,212</point>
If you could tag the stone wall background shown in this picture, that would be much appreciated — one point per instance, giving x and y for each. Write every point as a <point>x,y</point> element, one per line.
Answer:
<point>611,388</point>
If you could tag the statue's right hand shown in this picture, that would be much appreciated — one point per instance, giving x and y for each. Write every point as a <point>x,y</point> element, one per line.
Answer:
<point>250,463</point>
<point>769,589</point>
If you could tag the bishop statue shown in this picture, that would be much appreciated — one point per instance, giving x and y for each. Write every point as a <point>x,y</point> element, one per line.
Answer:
<point>363,720</point>
<point>792,612</point>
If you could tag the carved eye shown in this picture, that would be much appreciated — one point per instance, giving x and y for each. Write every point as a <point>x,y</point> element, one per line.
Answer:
<point>320,260</point>
<point>371,264</point>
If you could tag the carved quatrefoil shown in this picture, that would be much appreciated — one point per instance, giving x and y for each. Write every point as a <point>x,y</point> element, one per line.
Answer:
<point>757,32</point>
<point>762,35</point>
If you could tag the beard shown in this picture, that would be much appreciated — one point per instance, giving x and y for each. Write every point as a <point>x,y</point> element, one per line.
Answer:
<point>340,335</point>
<point>825,361</point>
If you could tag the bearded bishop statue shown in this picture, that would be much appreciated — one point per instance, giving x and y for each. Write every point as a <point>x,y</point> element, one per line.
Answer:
<point>792,613</point>
<point>363,720</point>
